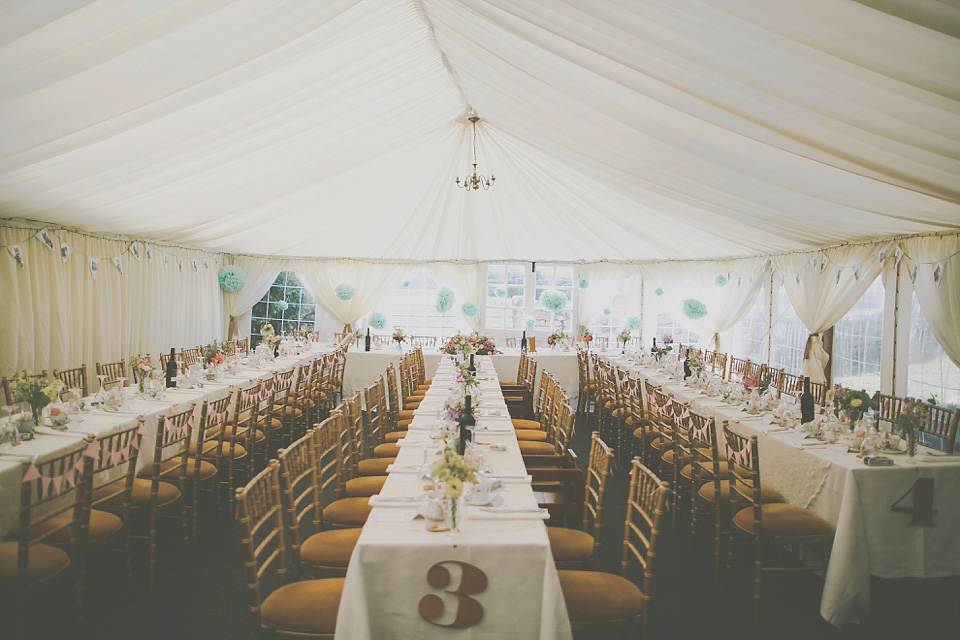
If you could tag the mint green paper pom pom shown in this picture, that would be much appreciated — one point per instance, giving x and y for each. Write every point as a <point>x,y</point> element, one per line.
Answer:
<point>694,309</point>
<point>500,292</point>
<point>607,311</point>
<point>344,291</point>
<point>445,299</point>
<point>469,309</point>
<point>553,300</point>
<point>721,281</point>
<point>633,323</point>
<point>283,305</point>
<point>232,278</point>
<point>378,320</point>
<point>659,291</point>
<point>583,283</point>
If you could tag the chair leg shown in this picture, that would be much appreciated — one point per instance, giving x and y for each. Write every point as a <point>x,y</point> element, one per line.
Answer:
<point>757,572</point>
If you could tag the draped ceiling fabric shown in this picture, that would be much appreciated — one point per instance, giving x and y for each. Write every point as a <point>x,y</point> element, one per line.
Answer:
<point>617,129</point>
<point>366,282</point>
<point>260,274</point>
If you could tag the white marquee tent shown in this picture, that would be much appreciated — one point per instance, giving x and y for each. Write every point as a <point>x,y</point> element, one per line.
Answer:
<point>818,139</point>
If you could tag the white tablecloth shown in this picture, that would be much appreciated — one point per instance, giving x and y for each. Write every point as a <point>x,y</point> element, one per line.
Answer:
<point>364,368</point>
<point>387,577</point>
<point>99,423</point>
<point>855,499</point>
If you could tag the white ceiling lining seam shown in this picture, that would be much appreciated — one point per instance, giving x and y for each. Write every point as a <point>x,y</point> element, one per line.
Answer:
<point>432,36</point>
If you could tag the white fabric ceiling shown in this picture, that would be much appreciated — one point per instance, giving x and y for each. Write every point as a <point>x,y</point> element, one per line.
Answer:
<point>620,130</point>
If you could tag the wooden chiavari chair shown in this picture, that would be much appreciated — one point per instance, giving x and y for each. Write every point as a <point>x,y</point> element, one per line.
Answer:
<point>558,432</point>
<point>178,358</point>
<point>519,398</point>
<point>322,552</point>
<point>601,342</point>
<point>635,344</point>
<point>775,376</point>
<point>819,392</point>
<point>243,346</point>
<point>212,456</point>
<point>940,429</point>
<point>586,394</point>
<point>662,430</point>
<point>50,516</point>
<point>764,522</point>
<point>266,424</point>
<point>377,441</point>
<point>644,418</point>
<point>8,389</point>
<point>790,385</point>
<point>363,480</point>
<point>582,546</point>
<point>75,378</point>
<point>738,368</point>
<point>168,477</point>
<point>719,364</point>
<point>260,515</point>
<point>284,409</point>
<point>381,341</point>
<point>112,370</point>
<point>888,407</point>
<point>423,341</point>
<point>192,356</point>
<point>511,343</point>
<point>337,512</point>
<point>597,600</point>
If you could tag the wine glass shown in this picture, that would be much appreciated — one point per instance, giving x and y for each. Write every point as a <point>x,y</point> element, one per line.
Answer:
<point>122,388</point>
<point>101,393</point>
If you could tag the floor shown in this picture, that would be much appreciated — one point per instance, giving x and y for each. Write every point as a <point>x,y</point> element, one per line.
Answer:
<point>204,595</point>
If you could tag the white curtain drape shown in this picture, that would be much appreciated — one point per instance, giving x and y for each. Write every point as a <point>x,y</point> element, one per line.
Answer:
<point>604,280</point>
<point>937,284</point>
<point>466,282</point>
<point>370,282</point>
<point>55,314</point>
<point>707,297</point>
<point>261,272</point>
<point>823,286</point>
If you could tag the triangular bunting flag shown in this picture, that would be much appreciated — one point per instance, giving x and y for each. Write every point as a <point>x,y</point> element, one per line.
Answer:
<point>104,457</point>
<point>913,273</point>
<point>166,259</point>
<point>118,264</point>
<point>938,270</point>
<point>148,250</point>
<point>180,264</point>
<point>94,264</point>
<point>44,236</point>
<point>92,449</point>
<point>68,476</point>
<point>196,265</point>
<point>57,481</point>
<point>116,457</point>
<point>32,473</point>
<point>823,263</point>
<point>45,485</point>
<point>897,254</point>
<point>798,277</point>
<point>17,252</point>
<point>814,260</point>
<point>857,273</point>
<point>839,274</point>
<point>65,251</point>
<point>135,250</point>
<point>206,263</point>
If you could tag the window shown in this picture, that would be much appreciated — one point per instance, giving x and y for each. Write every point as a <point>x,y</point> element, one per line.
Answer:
<point>412,306</point>
<point>753,330</point>
<point>931,372</point>
<point>857,340</point>
<point>666,327</point>
<point>286,305</point>
<point>612,324</point>
<point>790,336</point>
<point>506,292</point>
<point>559,277</point>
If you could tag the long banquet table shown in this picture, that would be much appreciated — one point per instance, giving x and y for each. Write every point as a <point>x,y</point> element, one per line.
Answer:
<point>854,498</point>
<point>49,443</point>
<point>387,578</point>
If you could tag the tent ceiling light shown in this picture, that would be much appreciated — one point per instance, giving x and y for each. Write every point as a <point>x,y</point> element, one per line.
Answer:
<point>475,181</point>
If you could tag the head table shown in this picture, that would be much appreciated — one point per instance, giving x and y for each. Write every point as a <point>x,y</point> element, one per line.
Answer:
<point>854,498</point>
<point>387,580</point>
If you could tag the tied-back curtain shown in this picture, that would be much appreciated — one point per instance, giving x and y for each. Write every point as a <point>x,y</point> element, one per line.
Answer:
<point>367,282</point>
<point>56,314</point>
<point>260,273</point>
<point>466,282</point>
<point>707,297</point>
<point>937,283</point>
<point>603,281</point>
<point>823,286</point>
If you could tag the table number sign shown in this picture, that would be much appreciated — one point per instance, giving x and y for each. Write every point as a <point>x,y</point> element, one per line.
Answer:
<point>469,611</point>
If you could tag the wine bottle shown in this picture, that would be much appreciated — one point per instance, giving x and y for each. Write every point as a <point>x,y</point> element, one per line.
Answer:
<point>807,409</point>
<point>171,372</point>
<point>523,343</point>
<point>467,422</point>
<point>472,368</point>
<point>366,343</point>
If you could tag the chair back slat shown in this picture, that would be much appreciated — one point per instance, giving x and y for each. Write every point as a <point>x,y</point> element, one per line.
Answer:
<point>75,378</point>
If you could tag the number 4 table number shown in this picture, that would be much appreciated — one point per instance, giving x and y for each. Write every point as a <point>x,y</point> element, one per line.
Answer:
<point>922,509</point>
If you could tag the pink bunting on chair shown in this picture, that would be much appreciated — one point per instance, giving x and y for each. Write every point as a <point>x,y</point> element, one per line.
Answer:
<point>79,465</point>
<point>92,449</point>
<point>142,430</point>
<point>68,476</point>
<point>32,473</point>
<point>116,456</point>
<point>167,425</point>
<point>104,456</point>
<point>44,485</point>
<point>125,452</point>
<point>57,481</point>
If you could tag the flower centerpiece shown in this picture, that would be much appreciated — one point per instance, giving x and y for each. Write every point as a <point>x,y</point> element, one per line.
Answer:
<point>586,336</point>
<point>458,345</point>
<point>693,363</point>
<point>913,416</point>
<point>141,367</point>
<point>399,336</point>
<point>453,470</point>
<point>482,345</point>
<point>659,352</point>
<point>557,338</point>
<point>852,402</point>
<point>667,338</point>
<point>35,391</point>
<point>273,341</point>
<point>623,338</point>
<point>753,382</point>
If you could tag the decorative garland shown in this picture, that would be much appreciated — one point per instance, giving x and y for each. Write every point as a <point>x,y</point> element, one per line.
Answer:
<point>694,309</point>
<point>633,323</point>
<point>232,278</point>
<point>607,311</point>
<point>445,300</point>
<point>469,309</point>
<point>583,283</point>
<point>344,292</point>
<point>553,300</point>
<point>378,320</point>
<point>500,292</point>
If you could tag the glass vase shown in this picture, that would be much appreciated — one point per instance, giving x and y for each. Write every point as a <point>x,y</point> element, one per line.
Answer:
<point>911,442</point>
<point>455,514</point>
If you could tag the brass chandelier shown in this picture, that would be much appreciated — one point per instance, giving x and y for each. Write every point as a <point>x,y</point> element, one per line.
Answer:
<point>475,181</point>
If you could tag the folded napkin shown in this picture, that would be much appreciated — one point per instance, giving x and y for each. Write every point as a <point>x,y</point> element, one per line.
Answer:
<point>404,468</point>
<point>423,444</point>
<point>489,428</point>
<point>507,473</point>
<point>395,501</point>
<point>512,479</point>
<point>507,513</point>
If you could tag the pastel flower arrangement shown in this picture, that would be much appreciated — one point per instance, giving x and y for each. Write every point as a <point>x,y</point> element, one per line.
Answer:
<point>586,336</point>
<point>853,402</point>
<point>556,338</point>
<point>753,382</point>
<point>37,392</point>
<point>453,409</point>
<point>453,470</point>
<point>266,330</point>
<point>913,416</point>
<point>624,337</point>
<point>210,355</point>
<point>399,335</point>
<point>140,367</point>
<point>458,345</point>
<point>693,362</point>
